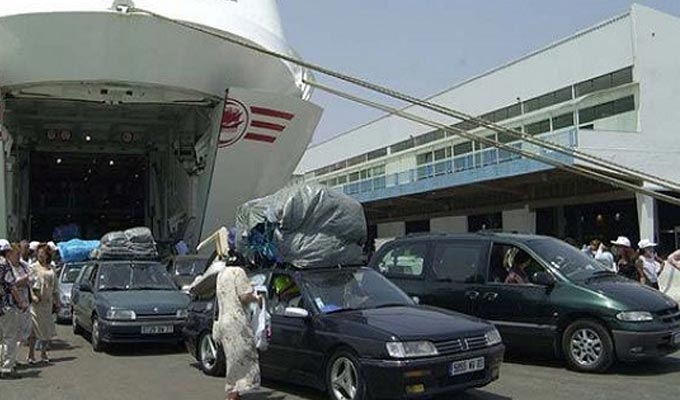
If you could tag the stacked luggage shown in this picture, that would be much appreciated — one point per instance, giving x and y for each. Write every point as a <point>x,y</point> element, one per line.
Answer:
<point>76,250</point>
<point>133,243</point>
<point>307,226</point>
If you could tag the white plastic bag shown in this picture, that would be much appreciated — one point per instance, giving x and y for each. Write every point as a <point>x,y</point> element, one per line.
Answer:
<point>260,322</point>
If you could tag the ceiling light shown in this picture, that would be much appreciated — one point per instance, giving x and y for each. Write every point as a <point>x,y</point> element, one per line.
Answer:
<point>88,138</point>
<point>111,162</point>
<point>58,160</point>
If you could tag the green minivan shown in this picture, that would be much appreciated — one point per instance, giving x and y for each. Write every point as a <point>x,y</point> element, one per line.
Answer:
<point>540,292</point>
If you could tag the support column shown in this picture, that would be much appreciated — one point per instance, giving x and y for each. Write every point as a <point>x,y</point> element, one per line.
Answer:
<point>391,230</point>
<point>521,220</point>
<point>458,224</point>
<point>647,217</point>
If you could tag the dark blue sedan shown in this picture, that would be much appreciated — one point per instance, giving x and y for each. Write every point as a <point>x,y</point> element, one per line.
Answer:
<point>353,333</point>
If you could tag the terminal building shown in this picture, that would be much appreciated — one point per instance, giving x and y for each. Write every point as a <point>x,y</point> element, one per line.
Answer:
<point>612,91</point>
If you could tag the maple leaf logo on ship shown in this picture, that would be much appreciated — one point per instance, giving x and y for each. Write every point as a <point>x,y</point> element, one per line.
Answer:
<point>235,122</point>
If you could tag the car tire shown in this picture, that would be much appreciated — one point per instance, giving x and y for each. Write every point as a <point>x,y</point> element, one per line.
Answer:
<point>77,330</point>
<point>588,346</point>
<point>210,356</point>
<point>95,337</point>
<point>344,377</point>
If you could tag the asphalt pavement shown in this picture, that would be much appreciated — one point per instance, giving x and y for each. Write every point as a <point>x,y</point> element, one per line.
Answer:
<point>169,373</point>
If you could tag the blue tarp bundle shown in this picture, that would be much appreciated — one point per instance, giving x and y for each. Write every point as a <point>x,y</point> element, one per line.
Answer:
<point>76,250</point>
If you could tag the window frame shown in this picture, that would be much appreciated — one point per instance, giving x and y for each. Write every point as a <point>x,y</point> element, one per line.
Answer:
<point>483,259</point>
<point>393,246</point>
<point>521,246</point>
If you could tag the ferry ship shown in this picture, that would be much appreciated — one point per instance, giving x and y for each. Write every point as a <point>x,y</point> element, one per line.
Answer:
<point>112,117</point>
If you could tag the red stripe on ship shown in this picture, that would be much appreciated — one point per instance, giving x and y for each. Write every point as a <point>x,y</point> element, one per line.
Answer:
<point>267,125</point>
<point>271,113</point>
<point>260,138</point>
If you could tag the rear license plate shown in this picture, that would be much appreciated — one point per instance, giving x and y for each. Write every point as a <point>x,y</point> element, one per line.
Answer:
<point>157,329</point>
<point>467,366</point>
<point>676,338</point>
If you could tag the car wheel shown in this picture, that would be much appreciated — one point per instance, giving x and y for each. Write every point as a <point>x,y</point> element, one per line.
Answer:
<point>344,379</point>
<point>210,356</point>
<point>77,330</point>
<point>588,346</point>
<point>96,338</point>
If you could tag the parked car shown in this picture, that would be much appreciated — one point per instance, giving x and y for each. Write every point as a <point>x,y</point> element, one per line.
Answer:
<point>352,332</point>
<point>67,276</point>
<point>128,302</point>
<point>566,301</point>
<point>184,269</point>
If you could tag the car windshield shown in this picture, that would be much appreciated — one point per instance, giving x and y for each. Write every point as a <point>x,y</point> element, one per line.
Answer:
<point>572,263</point>
<point>190,266</point>
<point>70,272</point>
<point>352,289</point>
<point>134,276</point>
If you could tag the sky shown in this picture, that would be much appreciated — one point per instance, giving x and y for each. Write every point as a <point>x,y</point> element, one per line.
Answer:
<point>422,47</point>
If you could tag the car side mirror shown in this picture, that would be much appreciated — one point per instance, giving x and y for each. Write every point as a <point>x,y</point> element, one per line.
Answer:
<point>544,279</point>
<point>416,299</point>
<point>296,312</point>
<point>85,287</point>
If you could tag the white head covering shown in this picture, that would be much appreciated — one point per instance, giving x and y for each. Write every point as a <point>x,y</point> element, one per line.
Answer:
<point>645,243</point>
<point>4,245</point>
<point>622,241</point>
<point>52,246</point>
<point>33,246</point>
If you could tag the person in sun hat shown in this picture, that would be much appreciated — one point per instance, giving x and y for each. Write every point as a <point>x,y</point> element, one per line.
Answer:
<point>647,265</point>
<point>669,277</point>
<point>626,258</point>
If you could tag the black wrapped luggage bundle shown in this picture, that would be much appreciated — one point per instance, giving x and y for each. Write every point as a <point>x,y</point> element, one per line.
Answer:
<point>133,243</point>
<point>307,226</point>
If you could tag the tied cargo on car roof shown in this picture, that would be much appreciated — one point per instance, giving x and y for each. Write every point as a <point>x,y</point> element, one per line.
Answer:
<point>307,226</point>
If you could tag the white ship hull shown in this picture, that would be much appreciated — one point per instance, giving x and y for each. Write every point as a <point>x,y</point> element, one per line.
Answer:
<point>121,83</point>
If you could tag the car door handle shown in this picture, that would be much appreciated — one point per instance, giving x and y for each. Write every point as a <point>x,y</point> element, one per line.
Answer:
<point>472,294</point>
<point>491,296</point>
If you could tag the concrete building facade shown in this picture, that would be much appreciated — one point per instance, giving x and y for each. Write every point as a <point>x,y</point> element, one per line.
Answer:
<point>612,90</point>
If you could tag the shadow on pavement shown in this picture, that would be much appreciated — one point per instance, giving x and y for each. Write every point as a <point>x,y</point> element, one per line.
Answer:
<point>141,350</point>
<point>653,367</point>
<point>59,345</point>
<point>475,394</point>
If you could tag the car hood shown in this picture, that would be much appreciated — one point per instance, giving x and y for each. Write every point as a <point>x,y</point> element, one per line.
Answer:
<point>633,295</point>
<point>417,322</point>
<point>146,302</point>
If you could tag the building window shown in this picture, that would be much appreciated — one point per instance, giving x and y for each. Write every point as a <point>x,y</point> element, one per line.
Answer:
<point>424,158</point>
<point>538,127</point>
<point>462,148</point>
<point>443,153</point>
<point>377,153</point>
<point>429,137</point>
<point>607,109</point>
<point>607,81</point>
<point>354,176</point>
<point>401,146</point>
<point>563,121</point>
<point>342,179</point>
<point>356,160</point>
<point>547,100</point>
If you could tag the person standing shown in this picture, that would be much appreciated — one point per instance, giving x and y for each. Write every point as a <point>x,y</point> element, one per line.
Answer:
<point>669,277</point>
<point>647,264</point>
<point>10,305</point>
<point>232,329</point>
<point>21,270</point>
<point>44,300</point>
<point>626,258</point>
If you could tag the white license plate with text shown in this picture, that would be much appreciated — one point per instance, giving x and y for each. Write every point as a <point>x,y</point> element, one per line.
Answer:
<point>467,366</point>
<point>157,329</point>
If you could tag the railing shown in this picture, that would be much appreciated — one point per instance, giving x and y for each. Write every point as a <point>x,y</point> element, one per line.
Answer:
<point>457,164</point>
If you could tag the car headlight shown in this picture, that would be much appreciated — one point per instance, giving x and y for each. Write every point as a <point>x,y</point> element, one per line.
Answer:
<point>127,315</point>
<point>411,349</point>
<point>634,316</point>
<point>493,337</point>
<point>184,313</point>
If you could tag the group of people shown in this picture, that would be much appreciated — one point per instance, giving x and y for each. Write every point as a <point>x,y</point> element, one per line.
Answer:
<point>642,264</point>
<point>28,299</point>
